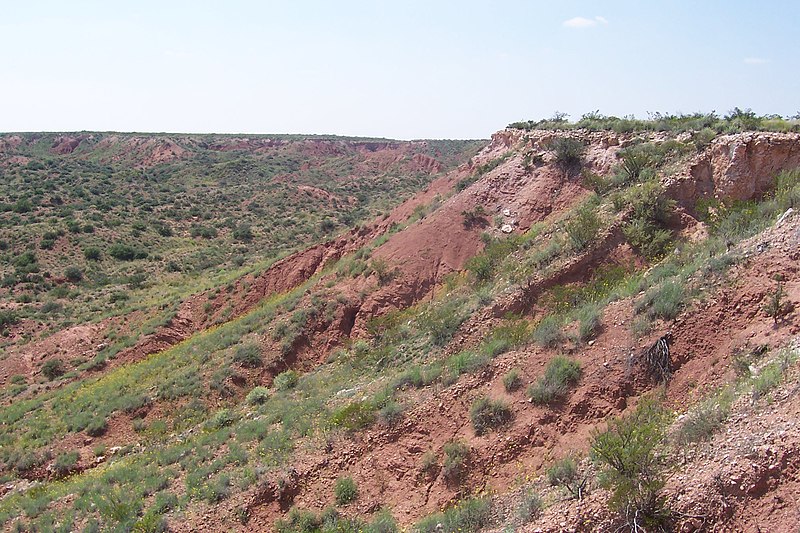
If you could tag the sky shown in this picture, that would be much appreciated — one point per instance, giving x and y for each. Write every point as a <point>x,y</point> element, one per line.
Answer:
<point>404,69</point>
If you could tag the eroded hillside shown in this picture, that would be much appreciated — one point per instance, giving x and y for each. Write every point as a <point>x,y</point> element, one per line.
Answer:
<point>448,354</point>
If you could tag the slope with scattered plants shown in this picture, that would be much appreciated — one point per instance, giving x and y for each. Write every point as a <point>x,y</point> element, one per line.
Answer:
<point>478,359</point>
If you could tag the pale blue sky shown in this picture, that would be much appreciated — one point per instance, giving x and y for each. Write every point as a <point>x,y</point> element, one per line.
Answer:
<point>401,69</point>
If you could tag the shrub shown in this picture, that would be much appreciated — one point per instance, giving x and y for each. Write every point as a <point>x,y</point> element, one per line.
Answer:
<point>248,355</point>
<point>474,218</point>
<point>564,473</point>
<point>456,458</point>
<point>354,416</point>
<point>771,375</point>
<point>383,272</point>
<point>52,368</point>
<point>487,414</point>
<point>257,396</point>
<point>512,380</point>
<point>633,465</point>
<point>635,159</point>
<point>150,522</point>
<point>651,210</point>
<point>589,321</point>
<point>647,238</point>
<point>206,232</point>
<point>776,306</point>
<point>220,419</point>
<point>429,463</point>
<point>568,152</point>
<point>73,274</point>
<point>547,333</point>
<point>391,413</point>
<point>92,253</point>
<point>8,318</point>
<point>559,375</point>
<point>472,514</point>
<point>663,301</point>
<point>286,380</point>
<point>96,427</point>
<point>65,463</point>
<point>243,233</point>
<point>443,321</point>
<point>704,420</point>
<point>529,506</point>
<point>346,490</point>
<point>383,522</point>
<point>583,228</point>
<point>299,521</point>
<point>124,252</point>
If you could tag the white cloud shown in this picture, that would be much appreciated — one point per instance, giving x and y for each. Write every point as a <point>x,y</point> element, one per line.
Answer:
<point>583,22</point>
<point>755,61</point>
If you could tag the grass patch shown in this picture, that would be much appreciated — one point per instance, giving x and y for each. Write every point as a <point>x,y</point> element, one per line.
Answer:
<point>471,514</point>
<point>561,374</point>
<point>487,414</point>
<point>345,490</point>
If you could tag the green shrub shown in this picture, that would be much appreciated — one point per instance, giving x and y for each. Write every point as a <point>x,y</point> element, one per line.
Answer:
<point>8,318</point>
<point>547,333</point>
<point>125,252</point>
<point>299,521</point>
<point>206,232</point>
<point>429,464</point>
<point>589,324</point>
<point>564,473</point>
<point>357,415</point>
<point>772,375</point>
<point>73,274</point>
<point>512,380</point>
<point>568,152</point>
<point>257,396</point>
<point>383,522</point>
<point>346,490</point>
<point>776,306</point>
<point>52,368</point>
<point>220,419</point>
<point>487,414</point>
<point>286,380</point>
<point>65,463</point>
<point>705,419</point>
<point>243,233</point>
<point>632,464</point>
<point>150,522</point>
<point>96,427</point>
<point>663,301</point>
<point>455,464</point>
<point>465,362</point>
<point>443,321</point>
<point>647,238</point>
<point>472,514</point>
<point>93,253</point>
<point>651,210</point>
<point>248,355</point>
<point>560,374</point>
<point>583,228</point>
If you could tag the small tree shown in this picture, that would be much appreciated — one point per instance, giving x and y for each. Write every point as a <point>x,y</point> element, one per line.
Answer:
<point>776,307</point>
<point>633,465</point>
